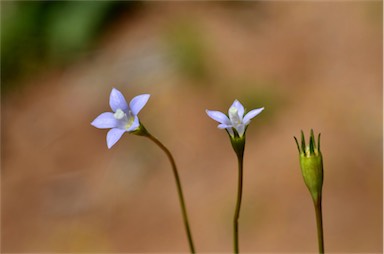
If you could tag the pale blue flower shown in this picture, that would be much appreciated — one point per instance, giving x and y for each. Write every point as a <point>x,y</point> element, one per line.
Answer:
<point>123,118</point>
<point>236,121</point>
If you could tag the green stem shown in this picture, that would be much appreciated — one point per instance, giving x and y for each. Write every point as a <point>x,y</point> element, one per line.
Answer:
<point>238,204</point>
<point>319,222</point>
<point>179,190</point>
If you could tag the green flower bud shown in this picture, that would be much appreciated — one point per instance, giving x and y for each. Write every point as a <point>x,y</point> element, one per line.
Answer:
<point>311,163</point>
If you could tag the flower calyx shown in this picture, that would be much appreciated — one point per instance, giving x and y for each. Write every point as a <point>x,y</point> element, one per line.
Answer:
<point>311,164</point>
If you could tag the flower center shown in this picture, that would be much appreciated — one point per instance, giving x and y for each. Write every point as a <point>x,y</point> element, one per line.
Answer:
<point>119,114</point>
<point>129,122</point>
<point>125,121</point>
<point>234,116</point>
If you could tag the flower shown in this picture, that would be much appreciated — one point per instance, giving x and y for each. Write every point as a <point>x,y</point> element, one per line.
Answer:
<point>123,118</point>
<point>236,120</point>
<point>311,164</point>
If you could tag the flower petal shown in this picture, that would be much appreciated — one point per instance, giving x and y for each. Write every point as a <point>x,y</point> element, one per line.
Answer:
<point>240,129</point>
<point>239,107</point>
<point>224,126</point>
<point>218,116</point>
<point>251,114</point>
<point>230,131</point>
<point>138,102</point>
<point>117,101</point>
<point>135,124</point>
<point>105,120</point>
<point>113,136</point>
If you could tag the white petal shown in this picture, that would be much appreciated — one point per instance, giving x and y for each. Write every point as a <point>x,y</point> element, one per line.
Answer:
<point>230,131</point>
<point>224,126</point>
<point>113,136</point>
<point>138,102</point>
<point>117,101</point>
<point>218,116</point>
<point>239,107</point>
<point>251,114</point>
<point>105,120</point>
<point>240,129</point>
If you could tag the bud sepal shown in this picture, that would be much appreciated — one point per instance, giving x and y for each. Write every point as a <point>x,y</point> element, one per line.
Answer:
<point>238,143</point>
<point>311,164</point>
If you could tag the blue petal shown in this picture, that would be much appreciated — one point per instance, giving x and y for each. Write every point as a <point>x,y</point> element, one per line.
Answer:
<point>239,107</point>
<point>218,116</point>
<point>113,136</point>
<point>117,101</point>
<point>135,124</point>
<point>251,114</point>
<point>105,121</point>
<point>138,103</point>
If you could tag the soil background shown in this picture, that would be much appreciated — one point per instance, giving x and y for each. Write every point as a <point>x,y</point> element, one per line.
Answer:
<point>310,64</point>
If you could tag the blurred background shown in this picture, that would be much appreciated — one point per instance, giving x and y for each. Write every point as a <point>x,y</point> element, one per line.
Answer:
<point>310,64</point>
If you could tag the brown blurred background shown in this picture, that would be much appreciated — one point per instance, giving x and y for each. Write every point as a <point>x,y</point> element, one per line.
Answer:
<point>310,64</point>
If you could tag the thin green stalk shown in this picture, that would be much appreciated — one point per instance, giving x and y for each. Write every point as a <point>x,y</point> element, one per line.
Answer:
<point>319,222</point>
<point>238,204</point>
<point>179,190</point>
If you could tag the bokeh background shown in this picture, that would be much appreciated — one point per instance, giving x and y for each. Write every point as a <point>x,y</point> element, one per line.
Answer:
<point>310,64</point>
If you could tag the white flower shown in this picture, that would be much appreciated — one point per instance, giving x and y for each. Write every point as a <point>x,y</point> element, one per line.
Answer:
<point>236,120</point>
<point>123,118</point>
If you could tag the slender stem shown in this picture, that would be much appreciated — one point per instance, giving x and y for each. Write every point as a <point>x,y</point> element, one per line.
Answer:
<point>238,204</point>
<point>179,190</point>
<point>319,222</point>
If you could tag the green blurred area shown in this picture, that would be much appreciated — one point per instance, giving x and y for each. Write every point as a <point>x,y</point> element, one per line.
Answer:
<point>187,47</point>
<point>39,34</point>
